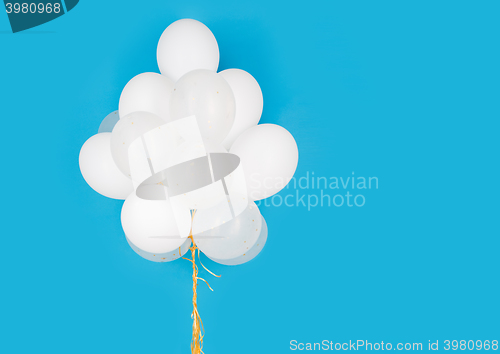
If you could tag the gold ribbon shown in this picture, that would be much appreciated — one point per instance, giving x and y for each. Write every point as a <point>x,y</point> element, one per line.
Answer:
<point>198,330</point>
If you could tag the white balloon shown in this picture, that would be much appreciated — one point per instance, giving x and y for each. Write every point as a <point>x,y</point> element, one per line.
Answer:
<point>248,99</point>
<point>184,46</point>
<point>189,150</point>
<point>126,131</point>
<point>251,253</point>
<point>151,225</point>
<point>99,169</point>
<point>209,97</point>
<point>233,238</point>
<point>147,92</point>
<point>109,122</point>
<point>161,257</point>
<point>269,156</point>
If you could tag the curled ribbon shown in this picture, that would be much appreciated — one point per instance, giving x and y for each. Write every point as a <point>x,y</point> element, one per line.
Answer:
<point>198,329</point>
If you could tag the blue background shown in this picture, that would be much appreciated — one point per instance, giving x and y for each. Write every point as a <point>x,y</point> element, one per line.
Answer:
<point>402,90</point>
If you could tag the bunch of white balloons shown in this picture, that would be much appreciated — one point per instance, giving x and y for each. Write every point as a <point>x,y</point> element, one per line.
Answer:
<point>226,107</point>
